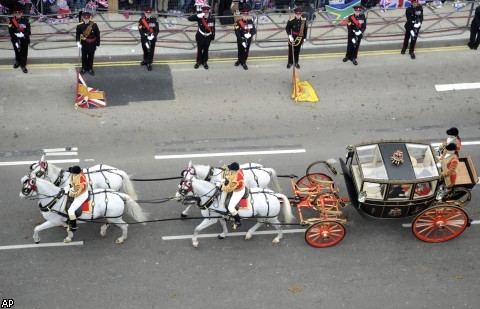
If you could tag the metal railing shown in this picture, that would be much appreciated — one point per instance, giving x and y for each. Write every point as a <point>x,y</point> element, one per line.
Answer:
<point>177,32</point>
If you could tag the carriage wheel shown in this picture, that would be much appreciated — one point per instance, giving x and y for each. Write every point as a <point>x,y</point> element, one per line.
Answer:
<point>325,234</point>
<point>306,182</point>
<point>440,223</point>
<point>310,168</point>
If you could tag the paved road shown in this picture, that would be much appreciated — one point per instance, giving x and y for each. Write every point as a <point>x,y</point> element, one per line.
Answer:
<point>178,110</point>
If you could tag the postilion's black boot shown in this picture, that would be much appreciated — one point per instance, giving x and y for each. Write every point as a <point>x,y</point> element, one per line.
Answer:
<point>238,221</point>
<point>72,225</point>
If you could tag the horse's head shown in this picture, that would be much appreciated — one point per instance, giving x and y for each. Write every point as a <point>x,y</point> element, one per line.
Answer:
<point>29,187</point>
<point>185,189</point>
<point>39,170</point>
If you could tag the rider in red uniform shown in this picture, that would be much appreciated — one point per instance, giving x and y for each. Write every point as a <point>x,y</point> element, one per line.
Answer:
<point>78,192</point>
<point>235,186</point>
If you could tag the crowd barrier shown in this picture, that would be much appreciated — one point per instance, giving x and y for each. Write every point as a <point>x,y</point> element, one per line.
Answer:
<point>177,32</point>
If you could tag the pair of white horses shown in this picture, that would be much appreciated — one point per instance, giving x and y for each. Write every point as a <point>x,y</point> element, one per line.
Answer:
<point>44,180</point>
<point>201,185</point>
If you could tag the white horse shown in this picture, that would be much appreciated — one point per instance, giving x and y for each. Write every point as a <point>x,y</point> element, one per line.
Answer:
<point>100,176</point>
<point>255,176</point>
<point>264,204</point>
<point>106,203</point>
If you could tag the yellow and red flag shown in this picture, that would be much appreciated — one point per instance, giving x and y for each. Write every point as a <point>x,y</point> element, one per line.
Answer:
<point>302,90</point>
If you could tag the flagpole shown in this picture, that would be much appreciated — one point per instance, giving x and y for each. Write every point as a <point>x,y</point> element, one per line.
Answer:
<point>76,79</point>
<point>294,75</point>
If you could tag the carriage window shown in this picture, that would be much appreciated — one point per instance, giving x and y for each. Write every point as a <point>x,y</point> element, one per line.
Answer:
<point>425,189</point>
<point>356,173</point>
<point>399,192</point>
<point>371,162</point>
<point>423,161</point>
<point>374,191</point>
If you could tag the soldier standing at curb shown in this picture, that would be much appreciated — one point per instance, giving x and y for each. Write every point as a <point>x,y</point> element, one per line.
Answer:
<point>205,35</point>
<point>356,25</point>
<point>297,31</point>
<point>414,16</point>
<point>244,29</point>
<point>148,27</point>
<point>475,30</point>
<point>19,29</point>
<point>88,38</point>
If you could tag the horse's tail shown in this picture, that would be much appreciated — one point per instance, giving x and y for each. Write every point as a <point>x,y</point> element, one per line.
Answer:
<point>287,209</point>
<point>133,208</point>
<point>274,179</point>
<point>128,185</point>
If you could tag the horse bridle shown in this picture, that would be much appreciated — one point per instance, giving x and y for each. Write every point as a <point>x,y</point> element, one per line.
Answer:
<point>186,186</point>
<point>33,187</point>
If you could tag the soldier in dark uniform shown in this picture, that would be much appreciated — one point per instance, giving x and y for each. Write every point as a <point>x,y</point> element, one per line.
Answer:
<point>244,30</point>
<point>205,35</point>
<point>414,16</point>
<point>88,38</point>
<point>297,32</point>
<point>19,29</point>
<point>356,24</point>
<point>475,30</point>
<point>148,27</point>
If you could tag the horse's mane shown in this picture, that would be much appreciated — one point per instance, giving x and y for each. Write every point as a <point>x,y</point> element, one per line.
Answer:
<point>54,168</point>
<point>47,182</point>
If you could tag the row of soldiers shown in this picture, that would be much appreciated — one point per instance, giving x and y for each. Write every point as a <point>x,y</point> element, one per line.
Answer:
<point>88,36</point>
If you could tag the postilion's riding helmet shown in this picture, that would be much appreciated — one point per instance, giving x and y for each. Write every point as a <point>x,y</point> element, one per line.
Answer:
<point>234,166</point>
<point>451,147</point>
<point>75,169</point>
<point>205,9</point>
<point>86,15</point>
<point>452,131</point>
<point>246,9</point>
<point>148,10</point>
<point>298,11</point>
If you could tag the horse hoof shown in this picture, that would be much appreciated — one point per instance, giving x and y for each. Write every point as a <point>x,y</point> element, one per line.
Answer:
<point>195,244</point>
<point>37,242</point>
<point>119,241</point>
<point>183,216</point>
<point>220,237</point>
<point>66,240</point>
<point>103,234</point>
<point>248,236</point>
<point>275,241</point>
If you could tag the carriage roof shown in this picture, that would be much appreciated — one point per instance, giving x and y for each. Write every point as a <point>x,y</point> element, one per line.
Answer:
<point>376,162</point>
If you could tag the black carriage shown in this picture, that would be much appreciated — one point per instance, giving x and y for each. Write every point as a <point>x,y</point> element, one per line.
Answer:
<point>399,179</point>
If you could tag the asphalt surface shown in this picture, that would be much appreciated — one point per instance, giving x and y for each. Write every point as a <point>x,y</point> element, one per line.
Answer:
<point>175,110</point>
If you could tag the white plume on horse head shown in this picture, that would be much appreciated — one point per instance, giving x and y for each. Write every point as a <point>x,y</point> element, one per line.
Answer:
<point>190,163</point>
<point>42,159</point>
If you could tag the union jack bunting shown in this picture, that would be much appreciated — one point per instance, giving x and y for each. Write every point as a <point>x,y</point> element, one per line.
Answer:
<point>56,21</point>
<point>23,2</point>
<point>3,9</point>
<point>103,3</point>
<point>88,97</point>
<point>91,5</point>
<point>49,1</point>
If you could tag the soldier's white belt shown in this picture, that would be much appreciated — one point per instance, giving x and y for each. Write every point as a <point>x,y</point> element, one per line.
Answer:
<point>205,34</point>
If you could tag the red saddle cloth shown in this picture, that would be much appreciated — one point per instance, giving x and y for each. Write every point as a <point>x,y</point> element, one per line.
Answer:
<point>243,203</point>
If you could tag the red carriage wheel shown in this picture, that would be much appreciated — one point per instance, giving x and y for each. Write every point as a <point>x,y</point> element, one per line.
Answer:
<point>306,183</point>
<point>440,223</point>
<point>325,234</point>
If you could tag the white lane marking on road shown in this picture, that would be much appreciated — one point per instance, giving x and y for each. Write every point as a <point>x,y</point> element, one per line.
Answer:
<point>31,162</point>
<point>233,234</point>
<point>47,150</point>
<point>463,86</point>
<point>463,143</point>
<point>52,244</point>
<point>226,154</point>
<point>89,160</point>
<point>66,153</point>
<point>410,225</point>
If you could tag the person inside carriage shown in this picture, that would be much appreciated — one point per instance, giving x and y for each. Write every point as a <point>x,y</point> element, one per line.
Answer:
<point>454,138</point>
<point>235,188</point>
<point>77,194</point>
<point>449,164</point>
